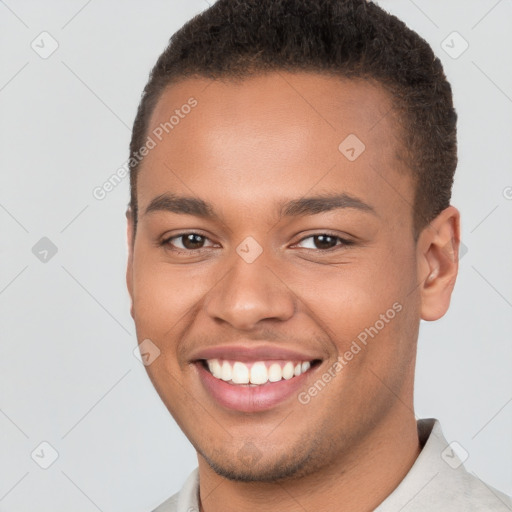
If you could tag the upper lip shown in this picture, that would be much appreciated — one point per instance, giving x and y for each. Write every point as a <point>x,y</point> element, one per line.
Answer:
<point>253,353</point>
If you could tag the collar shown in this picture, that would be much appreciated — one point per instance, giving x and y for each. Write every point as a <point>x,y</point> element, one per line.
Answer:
<point>436,481</point>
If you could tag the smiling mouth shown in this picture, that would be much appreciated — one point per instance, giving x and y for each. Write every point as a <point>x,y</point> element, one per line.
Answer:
<point>257,373</point>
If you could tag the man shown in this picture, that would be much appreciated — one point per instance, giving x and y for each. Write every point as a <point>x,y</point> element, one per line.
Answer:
<point>289,226</point>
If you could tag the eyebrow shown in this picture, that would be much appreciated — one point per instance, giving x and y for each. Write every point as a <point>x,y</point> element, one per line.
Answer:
<point>180,204</point>
<point>323,203</point>
<point>294,208</point>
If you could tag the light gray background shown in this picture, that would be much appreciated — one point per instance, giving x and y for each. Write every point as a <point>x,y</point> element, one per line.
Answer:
<point>67,372</point>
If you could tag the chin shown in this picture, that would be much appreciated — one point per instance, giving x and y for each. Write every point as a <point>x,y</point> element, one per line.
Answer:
<point>250,466</point>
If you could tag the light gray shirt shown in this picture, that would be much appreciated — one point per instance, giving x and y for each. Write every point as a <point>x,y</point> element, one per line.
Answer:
<point>437,481</point>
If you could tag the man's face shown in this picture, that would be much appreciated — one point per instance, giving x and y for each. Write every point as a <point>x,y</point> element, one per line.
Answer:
<point>269,274</point>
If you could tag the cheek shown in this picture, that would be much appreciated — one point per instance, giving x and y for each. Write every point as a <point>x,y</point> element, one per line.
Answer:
<point>350,297</point>
<point>161,296</point>
<point>365,308</point>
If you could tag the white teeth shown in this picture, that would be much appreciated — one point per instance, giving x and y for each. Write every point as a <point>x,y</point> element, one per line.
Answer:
<point>259,373</point>
<point>275,374</point>
<point>288,371</point>
<point>215,368</point>
<point>227,372</point>
<point>240,373</point>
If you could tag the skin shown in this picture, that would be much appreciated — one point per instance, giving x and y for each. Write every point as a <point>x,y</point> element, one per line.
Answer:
<point>246,148</point>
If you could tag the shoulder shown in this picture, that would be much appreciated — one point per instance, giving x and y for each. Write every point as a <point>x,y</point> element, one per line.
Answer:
<point>458,487</point>
<point>438,480</point>
<point>470,494</point>
<point>186,500</point>
<point>170,505</point>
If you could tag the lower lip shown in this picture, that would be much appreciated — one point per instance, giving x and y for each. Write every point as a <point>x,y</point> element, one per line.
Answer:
<point>247,398</point>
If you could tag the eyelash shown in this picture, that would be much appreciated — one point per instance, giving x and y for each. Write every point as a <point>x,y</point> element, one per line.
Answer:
<point>167,242</point>
<point>343,242</point>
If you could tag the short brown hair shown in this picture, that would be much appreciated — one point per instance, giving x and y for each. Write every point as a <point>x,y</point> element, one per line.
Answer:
<point>346,38</point>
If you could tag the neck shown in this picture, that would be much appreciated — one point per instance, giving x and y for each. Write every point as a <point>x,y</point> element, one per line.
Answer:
<point>360,481</point>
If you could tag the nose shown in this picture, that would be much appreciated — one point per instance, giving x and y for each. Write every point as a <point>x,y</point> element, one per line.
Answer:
<point>248,294</point>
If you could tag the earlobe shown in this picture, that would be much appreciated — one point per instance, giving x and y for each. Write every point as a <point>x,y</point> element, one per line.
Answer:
<point>438,255</point>
<point>129,266</point>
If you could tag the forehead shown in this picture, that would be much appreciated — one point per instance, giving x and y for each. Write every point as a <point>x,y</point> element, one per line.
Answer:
<point>291,130</point>
<point>319,101</point>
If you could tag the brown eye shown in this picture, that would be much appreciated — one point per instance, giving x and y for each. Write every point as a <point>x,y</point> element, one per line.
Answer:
<point>325,241</point>
<point>321,241</point>
<point>192,241</point>
<point>187,242</point>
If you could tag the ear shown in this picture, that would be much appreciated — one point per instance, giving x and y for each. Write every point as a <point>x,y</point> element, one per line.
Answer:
<point>130,235</point>
<point>438,262</point>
